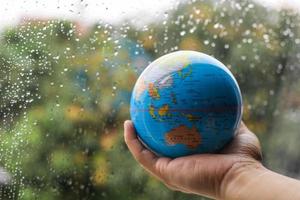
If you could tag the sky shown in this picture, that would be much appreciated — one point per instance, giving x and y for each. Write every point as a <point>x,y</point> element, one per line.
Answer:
<point>89,11</point>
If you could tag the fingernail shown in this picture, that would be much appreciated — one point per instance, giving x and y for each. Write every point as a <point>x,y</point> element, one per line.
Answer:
<point>126,124</point>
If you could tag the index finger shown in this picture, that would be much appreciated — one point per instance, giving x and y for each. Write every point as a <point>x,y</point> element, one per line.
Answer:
<point>152,163</point>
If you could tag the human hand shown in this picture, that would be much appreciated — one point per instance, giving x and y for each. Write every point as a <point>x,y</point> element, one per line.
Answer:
<point>210,175</point>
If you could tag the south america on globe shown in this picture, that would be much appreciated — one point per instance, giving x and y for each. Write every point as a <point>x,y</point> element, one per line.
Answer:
<point>185,103</point>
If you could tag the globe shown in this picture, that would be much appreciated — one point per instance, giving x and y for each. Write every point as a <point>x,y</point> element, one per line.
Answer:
<point>184,103</point>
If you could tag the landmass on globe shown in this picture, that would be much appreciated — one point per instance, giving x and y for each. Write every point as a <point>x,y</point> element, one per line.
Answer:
<point>184,135</point>
<point>153,91</point>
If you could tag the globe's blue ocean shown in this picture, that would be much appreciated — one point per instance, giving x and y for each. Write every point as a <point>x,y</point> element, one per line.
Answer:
<point>185,103</point>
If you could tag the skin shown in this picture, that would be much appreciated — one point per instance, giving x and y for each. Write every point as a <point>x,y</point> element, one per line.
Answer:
<point>235,173</point>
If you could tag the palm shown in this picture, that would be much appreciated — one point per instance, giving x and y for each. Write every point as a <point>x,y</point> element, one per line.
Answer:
<point>201,173</point>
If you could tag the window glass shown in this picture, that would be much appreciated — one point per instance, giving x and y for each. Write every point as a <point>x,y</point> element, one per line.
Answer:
<point>67,69</point>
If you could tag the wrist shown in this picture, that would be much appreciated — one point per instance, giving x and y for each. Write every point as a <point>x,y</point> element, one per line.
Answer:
<point>236,181</point>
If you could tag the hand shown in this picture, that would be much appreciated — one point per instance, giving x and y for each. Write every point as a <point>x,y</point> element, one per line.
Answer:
<point>209,175</point>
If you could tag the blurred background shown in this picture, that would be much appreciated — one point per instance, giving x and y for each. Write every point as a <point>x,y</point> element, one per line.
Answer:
<point>67,69</point>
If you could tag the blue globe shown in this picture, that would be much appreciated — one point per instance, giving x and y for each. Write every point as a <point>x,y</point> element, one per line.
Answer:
<point>185,103</point>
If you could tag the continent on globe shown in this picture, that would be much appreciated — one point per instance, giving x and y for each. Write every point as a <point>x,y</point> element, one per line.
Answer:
<point>185,71</point>
<point>153,91</point>
<point>151,111</point>
<point>184,135</point>
<point>163,110</point>
<point>141,87</point>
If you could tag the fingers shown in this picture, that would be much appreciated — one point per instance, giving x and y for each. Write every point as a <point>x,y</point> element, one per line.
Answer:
<point>156,166</point>
<point>249,138</point>
<point>245,143</point>
<point>140,153</point>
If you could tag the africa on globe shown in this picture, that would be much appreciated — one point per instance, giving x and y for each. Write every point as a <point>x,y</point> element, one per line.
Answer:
<point>185,103</point>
